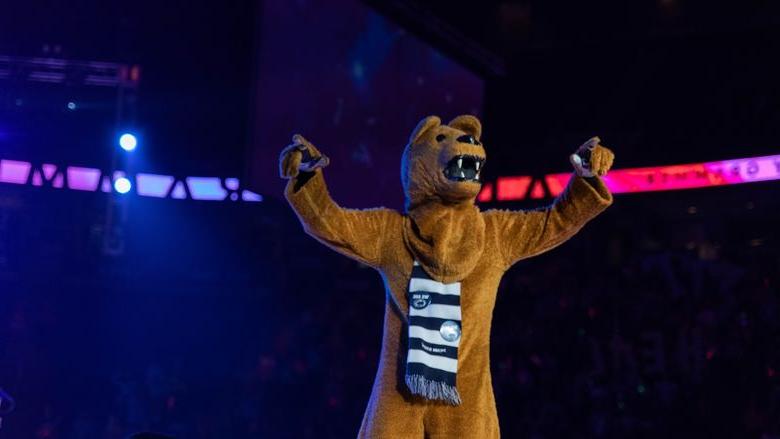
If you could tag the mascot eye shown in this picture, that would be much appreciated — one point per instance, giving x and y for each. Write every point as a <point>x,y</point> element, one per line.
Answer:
<point>440,137</point>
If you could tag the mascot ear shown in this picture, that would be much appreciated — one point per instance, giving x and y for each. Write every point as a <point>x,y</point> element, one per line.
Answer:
<point>468,124</point>
<point>422,127</point>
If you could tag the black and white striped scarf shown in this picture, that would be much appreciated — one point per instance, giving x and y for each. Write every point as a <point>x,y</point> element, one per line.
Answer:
<point>434,336</point>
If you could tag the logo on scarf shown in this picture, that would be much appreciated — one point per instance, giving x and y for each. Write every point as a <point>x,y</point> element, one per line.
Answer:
<point>419,300</point>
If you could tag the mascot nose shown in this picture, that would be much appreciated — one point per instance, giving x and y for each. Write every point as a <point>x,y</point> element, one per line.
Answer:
<point>468,138</point>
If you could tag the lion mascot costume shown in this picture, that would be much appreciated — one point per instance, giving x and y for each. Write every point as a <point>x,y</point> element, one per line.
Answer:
<point>441,262</point>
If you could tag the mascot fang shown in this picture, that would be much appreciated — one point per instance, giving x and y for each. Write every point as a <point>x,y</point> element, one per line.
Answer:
<point>441,261</point>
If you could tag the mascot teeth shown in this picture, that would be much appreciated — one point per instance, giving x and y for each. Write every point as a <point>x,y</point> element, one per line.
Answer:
<point>464,168</point>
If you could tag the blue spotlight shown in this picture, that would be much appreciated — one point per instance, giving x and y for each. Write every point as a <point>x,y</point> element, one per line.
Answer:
<point>128,141</point>
<point>122,185</point>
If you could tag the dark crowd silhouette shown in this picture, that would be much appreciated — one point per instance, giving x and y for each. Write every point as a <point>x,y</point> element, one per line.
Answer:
<point>660,319</point>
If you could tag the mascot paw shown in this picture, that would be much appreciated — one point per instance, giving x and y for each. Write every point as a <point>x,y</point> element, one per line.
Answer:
<point>300,156</point>
<point>592,159</point>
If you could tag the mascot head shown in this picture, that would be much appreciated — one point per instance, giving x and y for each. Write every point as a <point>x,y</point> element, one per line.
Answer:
<point>443,162</point>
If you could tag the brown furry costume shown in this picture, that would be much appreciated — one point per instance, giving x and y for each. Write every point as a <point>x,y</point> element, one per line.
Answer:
<point>453,241</point>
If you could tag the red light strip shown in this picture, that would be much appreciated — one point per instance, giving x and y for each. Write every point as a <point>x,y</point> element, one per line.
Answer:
<point>650,179</point>
<point>656,178</point>
<point>512,188</point>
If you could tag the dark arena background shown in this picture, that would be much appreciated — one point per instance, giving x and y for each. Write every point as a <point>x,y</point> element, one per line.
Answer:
<point>153,278</point>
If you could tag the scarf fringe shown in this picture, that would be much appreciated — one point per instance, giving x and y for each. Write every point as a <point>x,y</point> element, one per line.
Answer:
<point>429,389</point>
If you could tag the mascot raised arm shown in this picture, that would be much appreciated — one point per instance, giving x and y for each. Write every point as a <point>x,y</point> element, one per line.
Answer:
<point>441,261</point>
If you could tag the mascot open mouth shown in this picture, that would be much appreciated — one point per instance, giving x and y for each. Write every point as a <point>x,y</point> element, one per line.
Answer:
<point>464,168</point>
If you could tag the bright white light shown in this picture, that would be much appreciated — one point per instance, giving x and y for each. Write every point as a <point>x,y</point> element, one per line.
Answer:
<point>122,185</point>
<point>128,142</point>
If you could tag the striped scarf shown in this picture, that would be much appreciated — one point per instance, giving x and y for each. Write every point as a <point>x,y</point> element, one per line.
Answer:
<point>434,336</point>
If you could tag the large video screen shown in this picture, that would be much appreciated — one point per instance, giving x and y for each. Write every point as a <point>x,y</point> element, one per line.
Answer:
<point>353,83</point>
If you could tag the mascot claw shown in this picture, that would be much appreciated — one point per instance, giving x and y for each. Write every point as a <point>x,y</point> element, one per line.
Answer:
<point>300,156</point>
<point>592,159</point>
